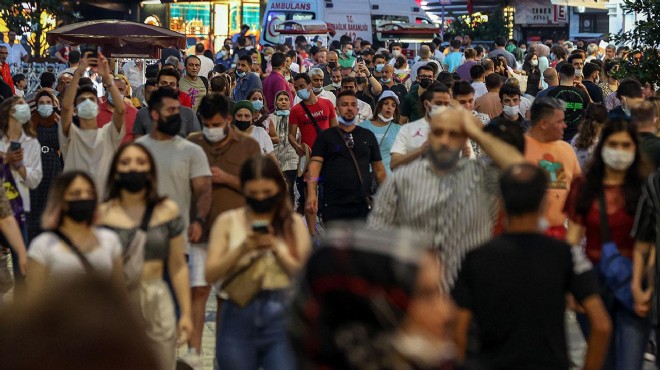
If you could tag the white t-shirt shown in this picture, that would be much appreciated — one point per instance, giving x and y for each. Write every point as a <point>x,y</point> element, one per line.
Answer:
<point>411,136</point>
<point>178,161</point>
<point>206,66</point>
<point>525,105</point>
<point>262,137</point>
<point>33,168</point>
<point>479,89</point>
<point>16,54</point>
<point>48,250</point>
<point>91,150</point>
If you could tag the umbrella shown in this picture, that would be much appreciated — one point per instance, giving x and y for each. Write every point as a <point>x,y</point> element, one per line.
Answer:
<point>119,38</point>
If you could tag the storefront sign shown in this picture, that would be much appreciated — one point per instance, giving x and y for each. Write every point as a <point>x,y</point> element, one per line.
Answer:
<point>593,4</point>
<point>540,12</point>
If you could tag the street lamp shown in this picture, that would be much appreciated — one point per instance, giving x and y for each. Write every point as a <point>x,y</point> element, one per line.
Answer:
<point>509,13</point>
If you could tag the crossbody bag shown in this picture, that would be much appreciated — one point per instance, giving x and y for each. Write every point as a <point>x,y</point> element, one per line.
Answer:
<point>134,255</point>
<point>311,117</point>
<point>83,259</point>
<point>615,269</point>
<point>369,200</point>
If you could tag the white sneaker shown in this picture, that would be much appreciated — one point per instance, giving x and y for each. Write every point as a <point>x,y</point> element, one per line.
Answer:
<point>189,361</point>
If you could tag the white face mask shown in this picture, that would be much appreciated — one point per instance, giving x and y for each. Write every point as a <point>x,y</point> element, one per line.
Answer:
<point>512,111</point>
<point>396,53</point>
<point>45,110</point>
<point>616,159</point>
<point>578,73</point>
<point>336,85</point>
<point>88,109</point>
<point>215,134</point>
<point>386,120</point>
<point>535,63</point>
<point>21,113</point>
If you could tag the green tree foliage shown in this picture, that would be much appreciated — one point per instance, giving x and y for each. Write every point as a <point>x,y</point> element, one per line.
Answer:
<point>645,36</point>
<point>25,16</point>
<point>486,31</point>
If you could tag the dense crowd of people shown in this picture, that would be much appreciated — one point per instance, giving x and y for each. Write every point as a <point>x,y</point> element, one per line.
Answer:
<point>478,196</point>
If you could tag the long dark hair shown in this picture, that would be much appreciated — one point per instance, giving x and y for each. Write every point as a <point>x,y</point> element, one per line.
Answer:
<point>53,214</point>
<point>596,115</point>
<point>114,191</point>
<point>263,167</point>
<point>527,65</point>
<point>596,171</point>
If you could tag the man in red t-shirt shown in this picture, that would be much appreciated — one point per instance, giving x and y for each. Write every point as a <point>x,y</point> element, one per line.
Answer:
<point>325,117</point>
<point>321,109</point>
<point>106,109</point>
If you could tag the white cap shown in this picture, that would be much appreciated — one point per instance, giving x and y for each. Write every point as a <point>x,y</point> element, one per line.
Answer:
<point>389,94</point>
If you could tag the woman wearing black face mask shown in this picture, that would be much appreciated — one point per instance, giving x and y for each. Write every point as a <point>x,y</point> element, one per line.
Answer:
<point>243,114</point>
<point>133,202</point>
<point>253,253</point>
<point>73,245</point>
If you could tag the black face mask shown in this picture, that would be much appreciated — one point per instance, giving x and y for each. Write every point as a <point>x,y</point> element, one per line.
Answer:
<point>262,205</point>
<point>332,65</point>
<point>424,83</point>
<point>81,210</point>
<point>242,125</point>
<point>133,181</point>
<point>360,80</point>
<point>170,125</point>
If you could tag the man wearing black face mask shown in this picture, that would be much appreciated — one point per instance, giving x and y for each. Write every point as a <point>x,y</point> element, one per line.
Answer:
<point>332,59</point>
<point>410,106</point>
<point>183,170</point>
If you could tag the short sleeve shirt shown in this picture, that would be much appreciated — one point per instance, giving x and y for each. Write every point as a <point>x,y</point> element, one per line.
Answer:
<point>410,106</point>
<point>385,137</point>
<point>229,157</point>
<point>341,184</point>
<point>577,102</point>
<point>323,112</point>
<point>91,150</point>
<point>195,89</point>
<point>264,140</point>
<point>48,250</point>
<point>411,136</point>
<point>178,161</point>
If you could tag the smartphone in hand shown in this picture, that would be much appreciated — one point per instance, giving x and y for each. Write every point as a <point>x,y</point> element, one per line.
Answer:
<point>14,146</point>
<point>261,227</point>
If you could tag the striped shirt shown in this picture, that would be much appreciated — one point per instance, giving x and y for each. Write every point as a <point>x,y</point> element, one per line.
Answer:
<point>456,210</point>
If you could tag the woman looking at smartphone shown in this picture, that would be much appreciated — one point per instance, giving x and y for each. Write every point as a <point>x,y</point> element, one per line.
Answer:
<point>21,157</point>
<point>252,332</point>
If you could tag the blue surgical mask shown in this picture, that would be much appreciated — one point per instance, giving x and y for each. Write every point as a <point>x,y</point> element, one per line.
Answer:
<point>344,122</point>
<point>257,105</point>
<point>240,74</point>
<point>303,94</point>
<point>385,80</point>
<point>379,67</point>
<point>45,110</point>
<point>283,112</point>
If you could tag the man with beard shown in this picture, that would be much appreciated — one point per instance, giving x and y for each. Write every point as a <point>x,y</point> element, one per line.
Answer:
<point>343,156</point>
<point>455,198</point>
<point>182,167</point>
<point>189,122</point>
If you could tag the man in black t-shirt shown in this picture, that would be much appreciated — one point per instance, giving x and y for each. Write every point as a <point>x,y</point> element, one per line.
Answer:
<point>344,190</point>
<point>515,287</point>
<point>576,97</point>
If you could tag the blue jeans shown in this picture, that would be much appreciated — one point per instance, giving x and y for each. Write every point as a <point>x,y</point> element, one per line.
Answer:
<point>630,336</point>
<point>255,336</point>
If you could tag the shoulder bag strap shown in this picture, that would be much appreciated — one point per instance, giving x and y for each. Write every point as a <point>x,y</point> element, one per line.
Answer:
<point>85,262</point>
<point>144,225</point>
<point>604,225</point>
<point>311,117</point>
<point>350,151</point>
<point>384,136</point>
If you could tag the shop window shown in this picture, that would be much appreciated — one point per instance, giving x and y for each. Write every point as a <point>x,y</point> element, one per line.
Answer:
<point>594,23</point>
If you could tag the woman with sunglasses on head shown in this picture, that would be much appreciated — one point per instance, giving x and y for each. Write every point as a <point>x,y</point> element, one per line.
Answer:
<point>268,239</point>
<point>72,244</point>
<point>385,125</point>
<point>133,203</point>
